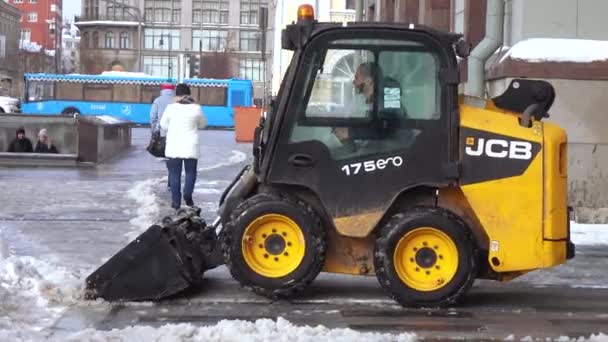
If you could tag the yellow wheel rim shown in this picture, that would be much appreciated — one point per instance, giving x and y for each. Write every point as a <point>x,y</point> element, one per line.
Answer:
<point>273,245</point>
<point>426,259</point>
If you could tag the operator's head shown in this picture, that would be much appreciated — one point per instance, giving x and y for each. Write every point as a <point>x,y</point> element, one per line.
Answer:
<point>364,78</point>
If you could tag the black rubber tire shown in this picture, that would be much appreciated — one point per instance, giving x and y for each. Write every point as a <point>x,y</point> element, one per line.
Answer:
<point>70,111</point>
<point>437,218</point>
<point>1,110</point>
<point>314,235</point>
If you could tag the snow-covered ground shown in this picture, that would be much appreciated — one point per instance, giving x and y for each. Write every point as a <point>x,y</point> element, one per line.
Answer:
<point>35,291</point>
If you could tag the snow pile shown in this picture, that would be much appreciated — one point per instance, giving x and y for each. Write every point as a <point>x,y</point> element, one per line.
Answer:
<point>237,331</point>
<point>235,158</point>
<point>109,119</point>
<point>148,208</point>
<point>589,234</point>
<point>540,50</point>
<point>33,294</point>
<point>29,46</point>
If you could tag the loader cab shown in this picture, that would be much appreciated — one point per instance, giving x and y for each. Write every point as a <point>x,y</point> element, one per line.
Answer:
<point>362,103</point>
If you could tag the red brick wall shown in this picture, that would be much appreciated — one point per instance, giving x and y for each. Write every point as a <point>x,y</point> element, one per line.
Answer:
<point>40,29</point>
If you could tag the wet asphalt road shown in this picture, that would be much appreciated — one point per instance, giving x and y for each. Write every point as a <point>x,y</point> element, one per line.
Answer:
<point>78,217</point>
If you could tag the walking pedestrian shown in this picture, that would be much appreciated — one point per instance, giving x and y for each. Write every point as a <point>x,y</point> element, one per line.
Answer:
<point>182,120</point>
<point>167,92</point>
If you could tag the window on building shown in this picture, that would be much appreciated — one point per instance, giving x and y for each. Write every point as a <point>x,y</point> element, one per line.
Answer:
<point>163,11</point>
<point>211,40</point>
<point>95,9</point>
<point>250,10</point>
<point>33,1</point>
<point>117,12</point>
<point>210,11</point>
<point>350,4</point>
<point>26,34</point>
<point>53,8</point>
<point>125,41</point>
<point>85,39</point>
<point>32,17</point>
<point>251,69</point>
<point>161,39</point>
<point>2,46</point>
<point>160,66</point>
<point>109,42</point>
<point>18,1</point>
<point>95,42</point>
<point>249,41</point>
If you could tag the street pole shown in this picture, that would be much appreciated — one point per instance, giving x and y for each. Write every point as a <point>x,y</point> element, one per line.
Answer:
<point>358,18</point>
<point>263,24</point>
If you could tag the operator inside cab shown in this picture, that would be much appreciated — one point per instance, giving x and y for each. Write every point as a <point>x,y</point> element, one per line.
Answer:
<point>369,102</point>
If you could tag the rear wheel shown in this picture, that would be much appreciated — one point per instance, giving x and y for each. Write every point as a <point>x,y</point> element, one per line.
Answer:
<point>70,111</point>
<point>425,257</point>
<point>274,245</point>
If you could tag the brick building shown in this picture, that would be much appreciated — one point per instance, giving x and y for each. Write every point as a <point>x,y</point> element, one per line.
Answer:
<point>40,21</point>
<point>9,48</point>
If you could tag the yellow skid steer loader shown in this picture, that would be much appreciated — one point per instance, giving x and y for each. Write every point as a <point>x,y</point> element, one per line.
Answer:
<point>369,163</point>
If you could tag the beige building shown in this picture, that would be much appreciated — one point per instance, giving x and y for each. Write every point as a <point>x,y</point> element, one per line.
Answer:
<point>9,49</point>
<point>157,37</point>
<point>580,84</point>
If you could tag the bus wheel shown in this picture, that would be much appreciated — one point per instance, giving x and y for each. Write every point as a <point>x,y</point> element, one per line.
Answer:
<point>70,111</point>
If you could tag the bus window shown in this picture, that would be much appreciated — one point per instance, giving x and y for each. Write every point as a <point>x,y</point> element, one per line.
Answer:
<point>126,93</point>
<point>149,93</point>
<point>69,91</point>
<point>38,91</point>
<point>212,96</point>
<point>98,92</point>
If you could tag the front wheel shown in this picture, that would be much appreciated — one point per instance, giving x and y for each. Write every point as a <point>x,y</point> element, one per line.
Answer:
<point>425,257</point>
<point>70,111</point>
<point>274,245</point>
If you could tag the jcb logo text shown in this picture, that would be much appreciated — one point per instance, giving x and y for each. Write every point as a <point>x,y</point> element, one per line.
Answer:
<point>499,148</point>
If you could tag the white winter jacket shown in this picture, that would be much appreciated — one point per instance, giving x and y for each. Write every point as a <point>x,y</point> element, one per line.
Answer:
<point>182,122</point>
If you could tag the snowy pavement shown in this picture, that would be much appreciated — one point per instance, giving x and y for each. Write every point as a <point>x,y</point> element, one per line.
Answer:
<point>58,225</point>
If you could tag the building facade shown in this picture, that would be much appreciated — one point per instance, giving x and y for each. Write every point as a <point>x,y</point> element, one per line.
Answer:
<point>9,48</point>
<point>177,38</point>
<point>70,49</point>
<point>580,83</point>
<point>41,22</point>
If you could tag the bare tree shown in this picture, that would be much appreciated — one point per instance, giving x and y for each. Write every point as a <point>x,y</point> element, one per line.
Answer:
<point>217,65</point>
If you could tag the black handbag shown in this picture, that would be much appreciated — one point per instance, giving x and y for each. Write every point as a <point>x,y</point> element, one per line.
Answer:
<point>156,147</point>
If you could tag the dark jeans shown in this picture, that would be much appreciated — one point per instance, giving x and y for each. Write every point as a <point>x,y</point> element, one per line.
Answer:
<point>175,178</point>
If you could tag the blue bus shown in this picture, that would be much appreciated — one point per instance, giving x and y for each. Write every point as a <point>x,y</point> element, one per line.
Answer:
<point>129,96</point>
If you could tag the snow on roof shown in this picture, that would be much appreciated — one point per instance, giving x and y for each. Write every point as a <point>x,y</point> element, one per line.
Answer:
<point>108,22</point>
<point>29,46</point>
<point>109,119</point>
<point>127,74</point>
<point>538,50</point>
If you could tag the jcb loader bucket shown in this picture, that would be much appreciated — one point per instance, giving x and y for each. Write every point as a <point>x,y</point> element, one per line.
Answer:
<point>166,259</point>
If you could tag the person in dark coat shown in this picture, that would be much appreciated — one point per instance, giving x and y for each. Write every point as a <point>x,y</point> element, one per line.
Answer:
<point>44,143</point>
<point>21,143</point>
